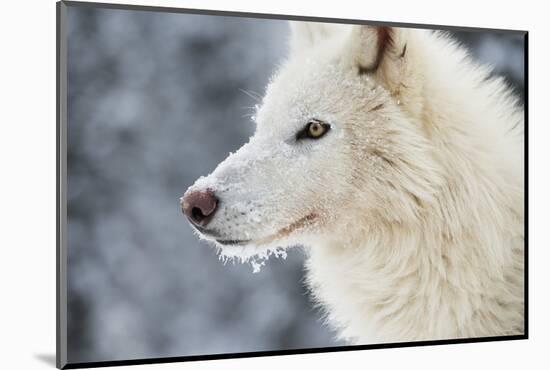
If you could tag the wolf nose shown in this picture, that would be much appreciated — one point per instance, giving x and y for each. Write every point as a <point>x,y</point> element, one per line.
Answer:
<point>199,206</point>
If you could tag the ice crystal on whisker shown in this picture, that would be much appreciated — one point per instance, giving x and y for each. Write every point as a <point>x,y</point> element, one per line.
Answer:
<point>256,256</point>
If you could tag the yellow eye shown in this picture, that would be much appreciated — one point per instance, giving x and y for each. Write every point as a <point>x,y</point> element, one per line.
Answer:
<point>316,129</point>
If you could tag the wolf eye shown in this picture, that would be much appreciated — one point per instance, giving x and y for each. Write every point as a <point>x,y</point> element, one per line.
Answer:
<point>314,129</point>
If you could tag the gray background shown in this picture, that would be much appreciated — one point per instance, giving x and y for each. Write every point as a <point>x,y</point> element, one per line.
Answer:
<point>155,101</point>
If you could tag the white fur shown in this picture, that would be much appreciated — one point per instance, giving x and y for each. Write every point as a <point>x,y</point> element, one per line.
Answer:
<point>410,207</point>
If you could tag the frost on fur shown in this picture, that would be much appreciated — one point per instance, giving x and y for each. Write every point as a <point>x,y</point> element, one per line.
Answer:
<point>255,256</point>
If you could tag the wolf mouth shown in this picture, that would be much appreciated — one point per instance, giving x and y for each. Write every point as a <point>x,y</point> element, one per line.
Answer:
<point>233,242</point>
<point>207,232</point>
<point>296,225</point>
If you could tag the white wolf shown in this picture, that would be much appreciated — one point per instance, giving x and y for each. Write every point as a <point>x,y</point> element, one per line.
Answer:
<point>398,163</point>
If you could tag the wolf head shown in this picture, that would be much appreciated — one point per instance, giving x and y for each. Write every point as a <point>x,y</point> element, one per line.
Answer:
<point>338,143</point>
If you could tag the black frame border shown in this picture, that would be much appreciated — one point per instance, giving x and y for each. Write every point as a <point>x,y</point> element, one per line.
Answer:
<point>61,157</point>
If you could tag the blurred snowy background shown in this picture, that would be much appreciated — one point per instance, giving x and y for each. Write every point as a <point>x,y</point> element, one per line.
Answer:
<point>155,101</point>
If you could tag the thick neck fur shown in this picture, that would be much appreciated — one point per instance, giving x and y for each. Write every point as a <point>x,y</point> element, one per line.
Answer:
<point>447,261</point>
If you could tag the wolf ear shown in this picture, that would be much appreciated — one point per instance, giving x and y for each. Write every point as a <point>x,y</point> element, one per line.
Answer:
<point>370,45</point>
<point>304,35</point>
<point>382,52</point>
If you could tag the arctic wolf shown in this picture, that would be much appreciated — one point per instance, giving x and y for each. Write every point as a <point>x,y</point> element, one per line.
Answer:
<point>397,162</point>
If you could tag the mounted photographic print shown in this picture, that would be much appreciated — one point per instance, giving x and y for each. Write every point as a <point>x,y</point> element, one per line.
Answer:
<point>234,184</point>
